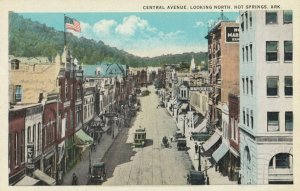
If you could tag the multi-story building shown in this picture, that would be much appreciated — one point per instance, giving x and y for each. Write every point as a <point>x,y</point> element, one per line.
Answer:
<point>266,97</point>
<point>223,62</point>
<point>234,137</point>
<point>16,144</point>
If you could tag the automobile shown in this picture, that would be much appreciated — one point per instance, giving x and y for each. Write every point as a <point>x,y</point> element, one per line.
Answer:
<point>139,137</point>
<point>178,135</point>
<point>196,177</point>
<point>181,144</point>
<point>98,173</point>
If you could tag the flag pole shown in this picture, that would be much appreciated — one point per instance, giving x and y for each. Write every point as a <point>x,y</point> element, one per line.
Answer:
<point>65,30</point>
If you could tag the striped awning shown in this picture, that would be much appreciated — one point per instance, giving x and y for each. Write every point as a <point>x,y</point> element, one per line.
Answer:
<point>27,181</point>
<point>211,141</point>
<point>220,152</point>
<point>44,177</point>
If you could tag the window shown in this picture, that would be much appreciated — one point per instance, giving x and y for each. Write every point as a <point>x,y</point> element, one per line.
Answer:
<point>22,146</point>
<point>289,121</point>
<point>251,118</point>
<point>18,94</point>
<point>273,121</point>
<point>248,117</point>
<point>16,148</point>
<point>281,160</point>
<point>250,18</point>
<point>272,86</point>
<point>243,50</point>
<point>39,136</point>
<point>29,134</point>
<point>288,51</point>
<point>33,134</point>
<point>250,46</point>
<point>243,81</point>
<point>271,17</point>
<point>15,64</point>
<point>247,53</point>
<point>247,87</point>
<point>242,23</point>
<point>288,85</point>
<point>244,116</point>
<point>246,18</point>
<point>287,17</point>
<point>271,51</point>
<point>251,85</point>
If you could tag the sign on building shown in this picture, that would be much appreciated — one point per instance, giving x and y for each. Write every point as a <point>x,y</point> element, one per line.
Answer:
<point>232,34</point>
<point>30,154</point>
<point>201,88</point>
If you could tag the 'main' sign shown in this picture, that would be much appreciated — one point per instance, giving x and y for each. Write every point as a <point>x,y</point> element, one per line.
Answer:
<point>232,34</point>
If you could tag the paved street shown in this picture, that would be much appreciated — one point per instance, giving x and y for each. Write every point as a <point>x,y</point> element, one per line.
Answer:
<point>153,164</point>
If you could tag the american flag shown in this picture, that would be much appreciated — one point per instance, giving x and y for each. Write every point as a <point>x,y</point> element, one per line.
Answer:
<point>72,24</point>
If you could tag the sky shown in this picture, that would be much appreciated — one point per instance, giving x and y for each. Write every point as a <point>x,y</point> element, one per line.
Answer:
<point>141,34</point>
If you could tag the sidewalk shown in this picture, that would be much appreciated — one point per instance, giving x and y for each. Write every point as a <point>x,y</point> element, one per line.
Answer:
<point>82,167</point>
<point>215,177</point>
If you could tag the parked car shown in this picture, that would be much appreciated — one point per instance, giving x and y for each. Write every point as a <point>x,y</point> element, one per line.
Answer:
<point>181,144</point>
<point>196,177</point>
<point>98,173</point>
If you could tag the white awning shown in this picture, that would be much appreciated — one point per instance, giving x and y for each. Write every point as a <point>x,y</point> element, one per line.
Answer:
<point>211,141</point>
<point>184,106</point>
<point>234,152</point>
<point>201,126</point>
<point>27,181</point>
<point>105,128</point>
<point>44,177</point>
<point>220,152</point>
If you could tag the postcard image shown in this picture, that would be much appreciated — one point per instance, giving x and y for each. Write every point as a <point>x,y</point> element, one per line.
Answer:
<point>179,93</point>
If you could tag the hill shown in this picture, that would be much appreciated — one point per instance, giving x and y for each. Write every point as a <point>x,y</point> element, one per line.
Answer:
<point>29,39</point>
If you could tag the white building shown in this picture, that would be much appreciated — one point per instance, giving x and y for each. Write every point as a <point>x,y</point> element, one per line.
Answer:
<point>266,97</point>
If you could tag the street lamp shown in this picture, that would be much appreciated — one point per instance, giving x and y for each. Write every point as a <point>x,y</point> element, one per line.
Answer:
<point>199,152</point>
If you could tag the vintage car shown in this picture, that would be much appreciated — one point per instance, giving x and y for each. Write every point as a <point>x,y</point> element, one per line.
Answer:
<point>181,144</point>
<point>139,137</point>
<point>98,173</point>
<point>196,177</point>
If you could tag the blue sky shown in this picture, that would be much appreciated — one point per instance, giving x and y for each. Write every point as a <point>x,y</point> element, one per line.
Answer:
<point>142,34</point>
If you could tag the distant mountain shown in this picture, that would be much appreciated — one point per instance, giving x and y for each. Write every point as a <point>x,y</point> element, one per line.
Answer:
<point>29,39</point>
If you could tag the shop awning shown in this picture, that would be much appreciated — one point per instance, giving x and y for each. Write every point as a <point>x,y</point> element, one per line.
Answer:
<point>81,138</point>
<point>234,152</point>
<point>44,177</point>
<point>184,106</point>
<point>201,126</point>
<point>220,152</point>
<point>211,141</point>
<point>105,128</point>
<point>27,181</point>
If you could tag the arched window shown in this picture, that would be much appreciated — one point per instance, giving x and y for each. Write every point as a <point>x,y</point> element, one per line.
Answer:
<point>38,136</point>
<point>281,160</point>
<point>29,134</point>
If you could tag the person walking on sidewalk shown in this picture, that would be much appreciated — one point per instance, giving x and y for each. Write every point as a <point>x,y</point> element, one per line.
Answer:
<point>74,179</point>
<point>196,147</point>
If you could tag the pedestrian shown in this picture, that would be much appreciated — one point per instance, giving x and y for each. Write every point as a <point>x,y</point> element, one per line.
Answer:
<point>196,147</point>
<point>188,180</point>
<point>98,140</point>
<point>80,156</point>
<point>74,179</point>
<point>239,179</point>
<point>207,180</point>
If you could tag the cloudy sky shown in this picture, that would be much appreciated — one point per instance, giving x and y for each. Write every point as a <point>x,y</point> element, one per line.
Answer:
<point>142,34</point>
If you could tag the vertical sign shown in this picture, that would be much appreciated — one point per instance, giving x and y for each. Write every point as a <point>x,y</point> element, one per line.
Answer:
<point>30,154</point>
<point>232,35</point>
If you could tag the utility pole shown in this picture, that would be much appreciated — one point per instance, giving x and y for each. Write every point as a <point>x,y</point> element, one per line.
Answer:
<point>199,151</point>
